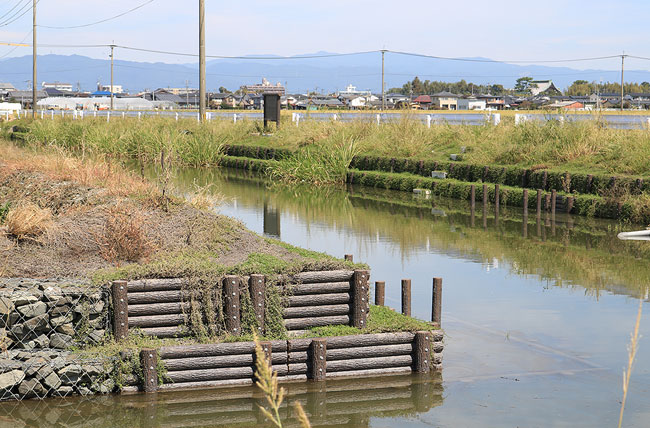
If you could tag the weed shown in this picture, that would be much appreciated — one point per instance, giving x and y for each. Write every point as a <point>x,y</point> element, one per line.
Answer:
<point>123,237</point>
<point>27,221</point>
<point>634,344</point>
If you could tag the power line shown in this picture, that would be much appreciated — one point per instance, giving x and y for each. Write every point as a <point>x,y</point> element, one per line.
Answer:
<point>503,61</point>
<point>100,21</point>
<point>248,57</point>
<point>26,8</point>
<point>17,45</point>
<point>12,9</point>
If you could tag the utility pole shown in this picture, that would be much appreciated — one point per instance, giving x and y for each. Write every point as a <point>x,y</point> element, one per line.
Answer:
<point>383,98</point>
<point>112,48</point>
<point>622,82</point>
<point>34,89</point>
<point>202,60</point>
<point>187,94</point>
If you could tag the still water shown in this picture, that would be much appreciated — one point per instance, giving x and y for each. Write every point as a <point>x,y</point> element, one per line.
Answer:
<point>537,315</point>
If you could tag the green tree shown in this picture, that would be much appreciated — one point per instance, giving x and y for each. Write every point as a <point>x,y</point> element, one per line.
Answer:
<point>523,85</point>
<point>223,90</point>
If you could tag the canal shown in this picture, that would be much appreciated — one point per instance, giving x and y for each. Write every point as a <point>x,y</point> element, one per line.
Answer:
<point>537,315</point>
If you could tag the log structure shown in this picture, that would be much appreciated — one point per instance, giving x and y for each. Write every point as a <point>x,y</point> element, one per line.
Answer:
<point>223,364</point>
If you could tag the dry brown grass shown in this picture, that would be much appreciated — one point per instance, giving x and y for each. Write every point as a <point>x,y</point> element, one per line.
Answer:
<point>124,237</point>
<point>27,221</point>
<point>57,165</point>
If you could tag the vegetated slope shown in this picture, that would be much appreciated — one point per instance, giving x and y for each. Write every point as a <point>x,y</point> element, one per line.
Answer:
<point>63,217</point>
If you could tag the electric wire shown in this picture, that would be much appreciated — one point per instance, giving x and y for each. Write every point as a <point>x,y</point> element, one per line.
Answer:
<point>12,9</point>
<point>15,18</point>
<point>97,22</point>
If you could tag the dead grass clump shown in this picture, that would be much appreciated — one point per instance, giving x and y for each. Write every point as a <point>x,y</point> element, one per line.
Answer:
<point>27,221</point>
<point>124,237</point>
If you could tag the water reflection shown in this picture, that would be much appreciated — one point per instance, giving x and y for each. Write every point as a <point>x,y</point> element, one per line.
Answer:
<point>564,249</point>
<point>340,402</point>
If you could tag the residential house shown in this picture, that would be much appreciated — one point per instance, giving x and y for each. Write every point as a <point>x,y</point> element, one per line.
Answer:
<point>423,101</point>
<point>567,105</point>
<point>25,97</point>
<point>219,100</point>
<point>5,88</point>
<point>444,100</point>
<point>493,102</point>
<point>471,103</point>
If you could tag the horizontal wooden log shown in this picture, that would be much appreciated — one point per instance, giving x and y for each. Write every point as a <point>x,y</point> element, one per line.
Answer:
<point>207,407</point>
<point>323,276</point>
<point>319,299</point>
<point>297,357</point>
<point>216,349</point>
<point>218,374</point>
<point>369,352</point>
<point>370,372</point>
<point>369,363</point>
<point>303,323</point>
<point>156,297</point>
<point>320,288</point>
<point>204,384</point>
<point>378,339</point>
<point>197,363</point>
<point>130,389</point>
<point>155,284</point>
<point>162,332</point>
<point>157,320</point>
<point>294,345</point>
<point>159,309</point>
<point>297,369</point>
<point>316,311</point>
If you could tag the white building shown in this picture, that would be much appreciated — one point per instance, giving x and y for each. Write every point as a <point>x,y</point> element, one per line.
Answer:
<point>471,103</point>
<point>58,85</point>
<point>117,89</point>
<point>352,90</point>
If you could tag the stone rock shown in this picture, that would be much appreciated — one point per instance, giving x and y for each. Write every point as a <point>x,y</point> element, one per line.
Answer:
<point>23,298</point>
<point>96,336</point>
<point>52,381</point>
<point>106,387</point>
<point>31,388</point>
<point>71,374</point>
<point>37,324</point>
<point>7,365</point>
<point>52,293</point>
<point>33,309</point>
<point>6,305</point>
<point>64,391</point>
<point>93,369</point>
<point>97,308</point>
<point>84,391</point>
<point>61,311</point>
<point>63,301</point>
<point>33,365</point>
<point>10,379</point>
<point>42,341</point>
<point>60,341</point>
<point>60,320</point>
<point>67,329</point>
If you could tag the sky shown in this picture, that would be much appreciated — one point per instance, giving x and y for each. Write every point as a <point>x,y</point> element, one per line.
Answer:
<point>502,30</point>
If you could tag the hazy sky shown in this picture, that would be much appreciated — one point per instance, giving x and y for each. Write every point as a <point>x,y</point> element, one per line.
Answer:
<point>507,30</point>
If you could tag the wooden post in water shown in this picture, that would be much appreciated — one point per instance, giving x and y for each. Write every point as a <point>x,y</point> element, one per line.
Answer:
<point>421,352</point>
<point>436,301</point>
<point>406,297</point>
<point>539,202</point>
<point>472,198</point>
<point>267,350</point>
<point>569,204</point>
<point>257,289</point>
<point>525,202</point>
<point>120,310</point>
<point>359,294</point>
<point>318,358</point>
<point>547,202</point>
<point>485,199</point>
<point>380,293</point>
<point>149,363</point>
<point>496,204</point>
<point>348,257</point>
<point>553,201</point>
<point>232,304</point>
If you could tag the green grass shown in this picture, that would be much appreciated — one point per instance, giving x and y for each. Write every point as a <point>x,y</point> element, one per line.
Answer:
<point>381,319</point>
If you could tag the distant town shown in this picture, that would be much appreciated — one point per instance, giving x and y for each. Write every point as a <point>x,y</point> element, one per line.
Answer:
<point>527,94</point>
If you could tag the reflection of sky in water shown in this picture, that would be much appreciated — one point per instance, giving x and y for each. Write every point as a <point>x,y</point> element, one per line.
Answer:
<point>518,350</point>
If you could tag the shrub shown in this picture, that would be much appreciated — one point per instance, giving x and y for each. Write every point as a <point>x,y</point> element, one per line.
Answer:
<point>27,221</point>
<point>124,237</point>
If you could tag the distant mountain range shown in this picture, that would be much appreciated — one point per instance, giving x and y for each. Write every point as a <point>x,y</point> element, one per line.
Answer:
<point>298,74</point>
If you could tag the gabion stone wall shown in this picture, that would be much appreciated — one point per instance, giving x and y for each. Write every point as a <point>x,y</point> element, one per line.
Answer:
<point>40,320</point>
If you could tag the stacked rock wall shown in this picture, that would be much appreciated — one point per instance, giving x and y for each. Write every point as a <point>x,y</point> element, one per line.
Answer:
<point>40,320</point>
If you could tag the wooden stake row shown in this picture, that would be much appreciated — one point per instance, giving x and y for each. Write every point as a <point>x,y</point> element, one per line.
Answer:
<point>436,298</point>
<point>550,201</point>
